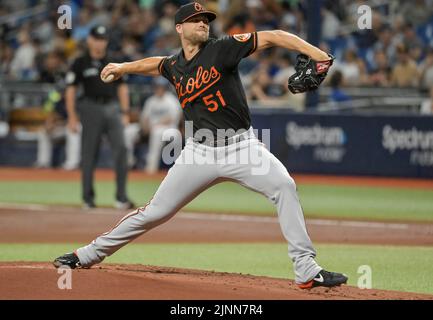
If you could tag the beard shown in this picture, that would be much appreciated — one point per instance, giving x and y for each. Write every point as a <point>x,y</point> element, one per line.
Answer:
<point>197,38</point>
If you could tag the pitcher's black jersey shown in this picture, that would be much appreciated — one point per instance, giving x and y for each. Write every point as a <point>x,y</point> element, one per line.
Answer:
<point>208,86</point>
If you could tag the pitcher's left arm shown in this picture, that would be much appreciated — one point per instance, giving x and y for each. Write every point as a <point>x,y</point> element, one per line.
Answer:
<point>279,38</point>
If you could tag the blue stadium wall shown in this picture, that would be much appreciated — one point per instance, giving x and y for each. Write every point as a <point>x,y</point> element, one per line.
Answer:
<point>379,145</point>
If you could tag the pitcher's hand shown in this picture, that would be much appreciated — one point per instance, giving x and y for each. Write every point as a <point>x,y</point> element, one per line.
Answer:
<point>112,72</point>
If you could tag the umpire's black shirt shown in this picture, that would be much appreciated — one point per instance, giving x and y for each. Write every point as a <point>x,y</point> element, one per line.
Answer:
<point>208,86</point>
<point>86,71</point>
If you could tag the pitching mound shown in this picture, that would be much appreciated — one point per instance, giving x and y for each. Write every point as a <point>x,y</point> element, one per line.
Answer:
<point>25,280</point>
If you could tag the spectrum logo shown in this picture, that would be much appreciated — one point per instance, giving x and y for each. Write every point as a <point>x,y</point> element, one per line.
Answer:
<point>299,136</point>
<point>326,143</point>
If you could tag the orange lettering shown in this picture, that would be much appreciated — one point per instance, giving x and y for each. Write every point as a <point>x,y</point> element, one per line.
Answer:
<point>190,85</point>
<point>198,84</point>
<point>206,77</point>
<point>195,84</point>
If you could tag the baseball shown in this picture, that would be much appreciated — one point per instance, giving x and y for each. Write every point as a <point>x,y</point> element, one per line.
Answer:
<point>108,78</point>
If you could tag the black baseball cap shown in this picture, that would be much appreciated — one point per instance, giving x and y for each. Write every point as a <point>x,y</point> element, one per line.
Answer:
<point>99,32</point>
<point>190,10</point>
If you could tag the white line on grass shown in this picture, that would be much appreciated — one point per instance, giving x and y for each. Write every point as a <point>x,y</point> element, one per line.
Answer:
<point>215,217</point>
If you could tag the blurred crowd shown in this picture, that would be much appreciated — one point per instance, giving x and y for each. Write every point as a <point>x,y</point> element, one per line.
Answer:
<point>396,52</point>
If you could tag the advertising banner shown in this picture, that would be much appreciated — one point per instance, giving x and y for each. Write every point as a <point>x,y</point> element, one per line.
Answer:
<point>350,144</point>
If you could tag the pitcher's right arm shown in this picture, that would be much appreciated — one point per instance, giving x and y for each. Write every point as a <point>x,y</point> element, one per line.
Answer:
<point>145,67</point>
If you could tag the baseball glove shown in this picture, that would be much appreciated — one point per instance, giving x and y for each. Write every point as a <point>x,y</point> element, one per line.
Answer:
<point>309,73</point>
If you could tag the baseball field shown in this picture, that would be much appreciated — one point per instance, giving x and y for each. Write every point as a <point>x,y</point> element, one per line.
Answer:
<point>226,244</point>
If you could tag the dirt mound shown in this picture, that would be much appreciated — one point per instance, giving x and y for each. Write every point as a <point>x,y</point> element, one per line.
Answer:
<point>28,280</point>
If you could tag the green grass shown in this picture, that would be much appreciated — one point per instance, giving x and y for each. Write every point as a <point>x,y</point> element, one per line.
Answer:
<point>367,202</point>
<point>373,203</point>
<point>393,268</point>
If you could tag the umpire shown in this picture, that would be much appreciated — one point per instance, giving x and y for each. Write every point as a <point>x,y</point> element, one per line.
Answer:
<point>99,112</point>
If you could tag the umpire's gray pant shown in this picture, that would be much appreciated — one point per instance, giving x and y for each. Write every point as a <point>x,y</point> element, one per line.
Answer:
<point>98,119</point>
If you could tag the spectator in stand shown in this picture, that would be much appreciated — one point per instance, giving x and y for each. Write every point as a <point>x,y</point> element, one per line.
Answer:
<point>426,71</point>
<point>260,85</point>
<point>339,8</point>
<point>81,30</point>
<point>387,43</point>
<point>161,112</point>
<point>53,68</point>
<point>337,94</point>
<point>405,72</point>
<point>264,14</point>
<point>44,32</point>
<point>149,24</point>
<point>15,5</point>
<point>100,15</point>
<point>4,10</point>
<point>6,56</point>
<point>65,43</point>
<point>263,90</point>
<point>23,64</point>
<point>427,105</point>
<point>292,18</point>
<point>161,46</point>
<point>353,69</point>
<point>416,12</point>
<point>285,70</point>
<point>4,126</point>
<point>330,24</point>
<point>412,42</point>
<point>381,73</point>
<point>55,130</point>
<point>165,23</point>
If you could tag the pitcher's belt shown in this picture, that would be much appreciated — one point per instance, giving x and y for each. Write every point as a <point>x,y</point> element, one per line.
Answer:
<point>226,141</point>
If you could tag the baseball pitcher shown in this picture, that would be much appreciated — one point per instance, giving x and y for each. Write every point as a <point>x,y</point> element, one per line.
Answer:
<point>205,76</point>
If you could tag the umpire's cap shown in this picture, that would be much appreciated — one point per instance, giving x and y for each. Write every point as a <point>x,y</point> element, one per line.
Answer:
<point>99,32</point>
<point>190,10</point>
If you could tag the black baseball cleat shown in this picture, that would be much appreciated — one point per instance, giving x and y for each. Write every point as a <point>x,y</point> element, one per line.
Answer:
<point>325,279</point>
<point>69,259</point>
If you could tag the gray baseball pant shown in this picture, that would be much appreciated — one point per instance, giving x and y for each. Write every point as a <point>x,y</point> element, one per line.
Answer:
<point>210,165</point>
